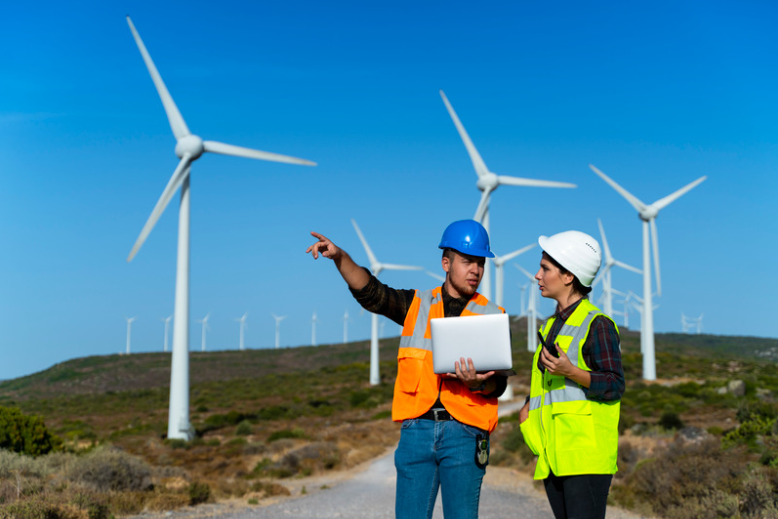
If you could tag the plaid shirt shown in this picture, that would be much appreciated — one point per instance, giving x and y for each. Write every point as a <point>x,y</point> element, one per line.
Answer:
<point>602,354</point>
<point>392,303</point>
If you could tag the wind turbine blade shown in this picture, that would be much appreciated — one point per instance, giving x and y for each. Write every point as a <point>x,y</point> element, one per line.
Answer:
<point>632,199</point>
<point>178,177</point>
<point>239,151</point>
<point>483,205</point>
<point>528,182</point>
<point>436,276</point>
<point>664,202</point>
<point>370,256</point>
<point>515,253</point>
<point>628,267</point>
<point>618,292</point>
<point>607,249</point>
<point>655,246</point>
<point>525,271</point>
<point>475,157</point>
<point>177,123</point>
<point>601,274</point>
<point>389,266</point>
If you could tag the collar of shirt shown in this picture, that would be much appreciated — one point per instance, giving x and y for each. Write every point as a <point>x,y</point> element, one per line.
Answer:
<point>452,306</point>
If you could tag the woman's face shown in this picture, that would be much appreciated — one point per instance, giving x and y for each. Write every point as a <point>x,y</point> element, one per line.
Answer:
<point>551,282</point>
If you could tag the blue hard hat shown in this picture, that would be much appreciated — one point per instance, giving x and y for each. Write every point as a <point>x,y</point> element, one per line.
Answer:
<point>468,237</point>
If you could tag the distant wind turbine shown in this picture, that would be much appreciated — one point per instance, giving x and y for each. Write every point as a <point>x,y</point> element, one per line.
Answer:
<point>166,320</point>
<point>189,148</point>
<point>499,264</point>
<point>242,321</point>
<point>376,267</point>
<point>648,213</point>
<point>278,328</point>
<point>204,322</point>
<point>488,182</point>
<point>129,331</point>
<point>532,310</point>
<point>313,328</point>
<point>345,327</point>
<point>605,273</point>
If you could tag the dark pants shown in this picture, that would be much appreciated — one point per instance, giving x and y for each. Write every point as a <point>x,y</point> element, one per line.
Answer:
<point>578,497</point>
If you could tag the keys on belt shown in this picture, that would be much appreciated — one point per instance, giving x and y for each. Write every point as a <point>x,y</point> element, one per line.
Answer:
<point>438,415</point>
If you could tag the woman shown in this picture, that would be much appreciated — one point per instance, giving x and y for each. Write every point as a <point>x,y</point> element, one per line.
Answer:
<point>570,420</point>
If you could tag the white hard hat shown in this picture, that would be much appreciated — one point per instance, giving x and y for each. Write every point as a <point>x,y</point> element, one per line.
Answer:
<point>576,251</point>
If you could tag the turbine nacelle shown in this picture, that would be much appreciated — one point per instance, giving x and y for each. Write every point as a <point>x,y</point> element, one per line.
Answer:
<point>488,181</point>
<point>648,214</point>
<point>191,145</point>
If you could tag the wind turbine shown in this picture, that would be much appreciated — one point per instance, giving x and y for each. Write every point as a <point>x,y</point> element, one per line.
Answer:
<point>242,322</point>
<point>278,328</point>
<point>166,320</point>
<point>204,321</point>
<point>488,182</point>
<point>532,313</point>
<point>648,213</point>
<point>376,267</point>
<point>523,304</point>
<point>605,273</point>
<point>440,278</point>
<point>129,330</point>
<point>499,278</point>
<point>345,327</point>
<point>313,328</point>
<point>189,148</point>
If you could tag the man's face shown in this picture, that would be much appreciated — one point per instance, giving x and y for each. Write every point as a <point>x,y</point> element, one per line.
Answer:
<point>464,273</point>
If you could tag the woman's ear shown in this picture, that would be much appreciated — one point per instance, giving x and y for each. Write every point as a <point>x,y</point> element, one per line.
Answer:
<point>568,278</point>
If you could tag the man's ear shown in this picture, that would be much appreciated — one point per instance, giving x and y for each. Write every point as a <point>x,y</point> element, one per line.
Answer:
<point>445,263</point>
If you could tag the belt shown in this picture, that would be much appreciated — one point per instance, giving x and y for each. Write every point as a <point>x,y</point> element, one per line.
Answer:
<point>438,415</point>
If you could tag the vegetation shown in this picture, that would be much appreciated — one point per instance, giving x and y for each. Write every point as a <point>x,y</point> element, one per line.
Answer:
<point>265,416</point>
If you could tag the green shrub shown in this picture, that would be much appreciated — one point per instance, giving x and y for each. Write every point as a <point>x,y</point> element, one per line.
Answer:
<point>25,434</point>
<point>286,433</point>
<point>670,420</point>
<point>199,493</point>
<point>752,410</point>
<point>749,431</point>
<point>111,470</point>
<point>244,428</point>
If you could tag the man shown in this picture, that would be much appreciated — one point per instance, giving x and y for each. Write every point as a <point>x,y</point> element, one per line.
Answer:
<point>446,419</point>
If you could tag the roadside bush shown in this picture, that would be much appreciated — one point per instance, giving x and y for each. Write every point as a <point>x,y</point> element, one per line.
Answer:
<point>243,429</point>
<point>286,433</point>
<point>749,432</point>
<point>753,410</point>
<point>25,434</point>
<point>111,470</point>
<point>670,420</point>
<point>199,492</point>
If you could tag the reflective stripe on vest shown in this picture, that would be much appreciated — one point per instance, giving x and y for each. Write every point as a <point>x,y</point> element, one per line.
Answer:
<point>417,386</point>
<point>570,434</point>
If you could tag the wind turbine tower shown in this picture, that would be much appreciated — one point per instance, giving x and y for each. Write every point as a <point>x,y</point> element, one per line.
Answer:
<point>189,147</point>
<point>204,322</point>
<point>499,264</point>
<point>532,312</point>
<point>345,326</point>
<point>129,331</point>
<point>648,214</point>
<point>376,267</point>
<point>605,273</point>
<point>278,328</point>
<point>242,322</point>
<point>166,320</point>
<point>488,182</point>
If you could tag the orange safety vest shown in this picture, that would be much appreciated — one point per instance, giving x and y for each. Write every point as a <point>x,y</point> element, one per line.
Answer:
<point>417,386</point>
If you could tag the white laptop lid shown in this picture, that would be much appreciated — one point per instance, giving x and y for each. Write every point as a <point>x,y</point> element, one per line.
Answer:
<point>484,338</point>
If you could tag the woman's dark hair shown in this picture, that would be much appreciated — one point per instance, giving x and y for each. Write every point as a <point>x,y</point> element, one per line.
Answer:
<point>577,285</point>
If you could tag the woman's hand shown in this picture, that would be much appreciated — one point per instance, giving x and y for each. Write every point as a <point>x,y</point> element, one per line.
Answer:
<point>562,366</point>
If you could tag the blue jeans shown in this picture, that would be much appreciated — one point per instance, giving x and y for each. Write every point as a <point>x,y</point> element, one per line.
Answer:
<point>437,454</point>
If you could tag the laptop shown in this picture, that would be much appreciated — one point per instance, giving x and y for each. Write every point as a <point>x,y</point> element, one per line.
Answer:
<point>484,338</point>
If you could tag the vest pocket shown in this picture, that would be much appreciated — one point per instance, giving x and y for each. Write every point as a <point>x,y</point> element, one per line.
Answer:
<point>573,425</point>
<point>410,364</point>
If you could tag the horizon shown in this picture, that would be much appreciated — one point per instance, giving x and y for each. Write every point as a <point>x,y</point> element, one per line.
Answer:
<point>654,96</point>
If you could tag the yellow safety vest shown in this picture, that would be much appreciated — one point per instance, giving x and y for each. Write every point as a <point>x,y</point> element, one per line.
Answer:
<point>417,386</point>
<point>570,434</point>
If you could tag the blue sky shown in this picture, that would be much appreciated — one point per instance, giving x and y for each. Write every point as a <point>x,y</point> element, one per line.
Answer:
<point>655,95</point>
